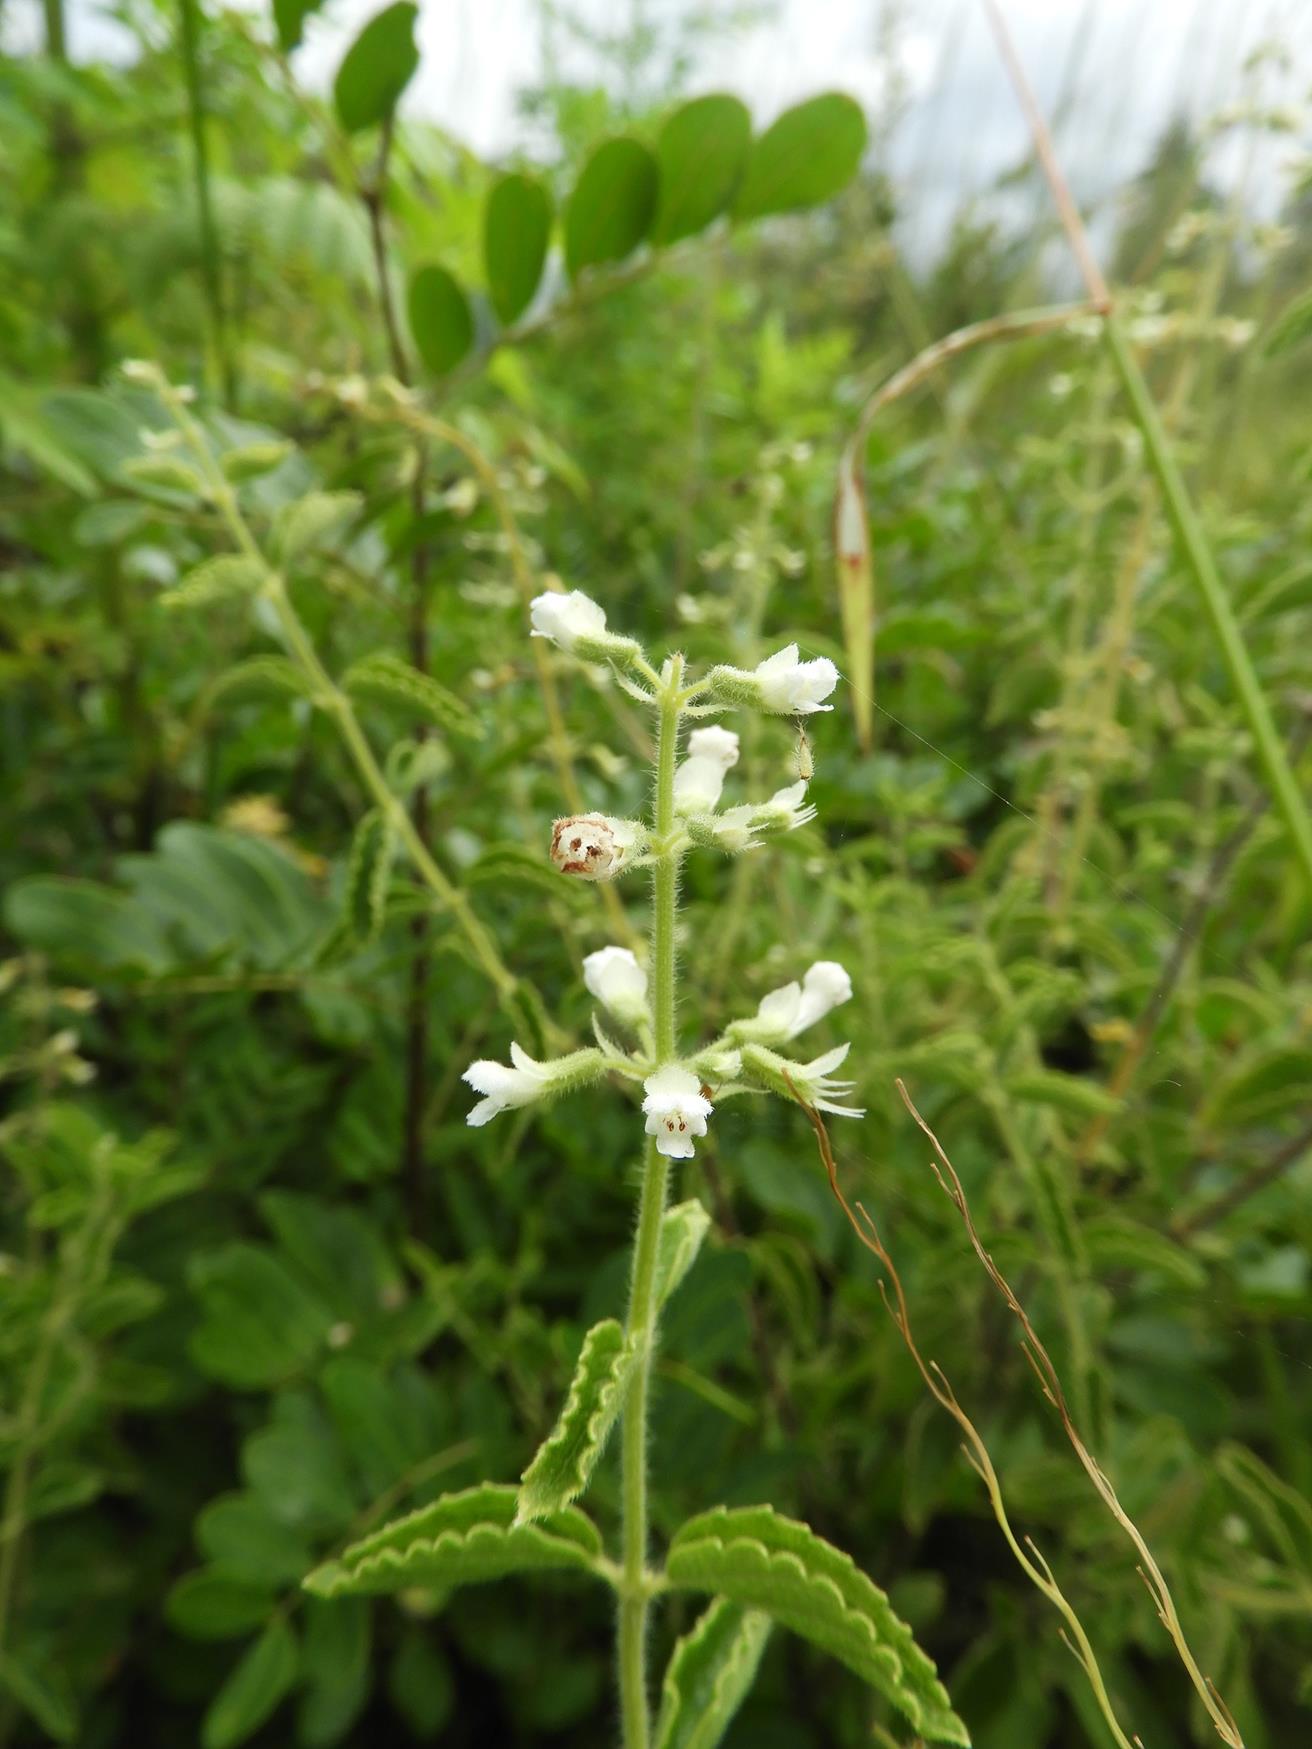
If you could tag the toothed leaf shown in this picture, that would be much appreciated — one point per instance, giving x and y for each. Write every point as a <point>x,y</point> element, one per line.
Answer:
<point>708,1676</point>
<point>461,1539</point>
<point>682,1230</point>
<point>310,521</point>
<point>754,1557</point>
<point>368,872</point>
<point>218,579</point>
<point>567,1457</point>
<point>383,675</point>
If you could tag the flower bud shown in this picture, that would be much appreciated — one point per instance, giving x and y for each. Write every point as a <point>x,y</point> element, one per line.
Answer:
<point>577,624</point>
<point>614,977</point>
<point>595,847</point>
<point>700,778</point>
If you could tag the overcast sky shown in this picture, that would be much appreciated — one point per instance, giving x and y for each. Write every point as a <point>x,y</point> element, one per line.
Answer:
<point>1111,71</point>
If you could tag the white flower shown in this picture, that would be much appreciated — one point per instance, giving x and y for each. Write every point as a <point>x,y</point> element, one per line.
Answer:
<point>700,778</point>
<point>676,1110</point>
<point>785,811</point>
<point>577,624</point>
<point>566,618</point>
<point>793,688</point>
<point>810,1082</point>
<point>504,1088</point>
<point>618,982</point>
<point>793,1007</point>
<point>594,847</point>
<point>813,1082</point>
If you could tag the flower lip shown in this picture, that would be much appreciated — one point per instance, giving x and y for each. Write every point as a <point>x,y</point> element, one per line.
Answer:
<point>613,976</point>
<point>792,687</point>
<point>676,1110</point>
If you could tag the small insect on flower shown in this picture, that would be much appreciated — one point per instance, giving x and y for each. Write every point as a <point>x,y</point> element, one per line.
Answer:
<point>593,846</point>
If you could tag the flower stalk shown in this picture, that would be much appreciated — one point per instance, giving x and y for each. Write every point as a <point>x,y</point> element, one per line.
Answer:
<point>641,1319</point>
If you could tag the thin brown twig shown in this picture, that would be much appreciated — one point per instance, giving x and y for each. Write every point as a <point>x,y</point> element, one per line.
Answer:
<point>1031,1562</point>
<point>1287,1155</point>
<point>1046,1372</point>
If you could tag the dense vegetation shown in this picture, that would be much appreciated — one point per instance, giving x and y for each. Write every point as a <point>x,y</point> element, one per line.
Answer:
<point>262,1287</point>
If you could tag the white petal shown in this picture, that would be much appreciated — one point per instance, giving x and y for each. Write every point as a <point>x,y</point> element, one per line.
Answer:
<point>483,1112</point>
<point>779,1008</point>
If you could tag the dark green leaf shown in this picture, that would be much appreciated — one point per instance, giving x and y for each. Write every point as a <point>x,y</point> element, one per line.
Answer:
<point>42,1691</point>
<point>803,158</point>
<point>211,1605</point>
<point>613,205</point>
<point>377,68</point>
<point>334,1668</point>
<point>254,1689</point>
<point>289,16</point>
<point>701,152</point>
<point>440,318</point>
<point>516,231</point>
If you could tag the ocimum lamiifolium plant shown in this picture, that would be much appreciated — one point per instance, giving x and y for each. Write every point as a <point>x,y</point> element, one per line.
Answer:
<point>759,1567</point>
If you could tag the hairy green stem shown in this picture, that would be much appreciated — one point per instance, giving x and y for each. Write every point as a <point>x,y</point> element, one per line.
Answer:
<point>641,1326</point>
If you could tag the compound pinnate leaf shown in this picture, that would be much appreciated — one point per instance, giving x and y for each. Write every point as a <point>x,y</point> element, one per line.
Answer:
<point>682,1230</point>
<point>708,1676</point>
<point>461,1539</point>
<point>386,676</point>
<point>804,157</point>
<point>217,579</point>
<point>368,872</point>
<point>613,205</point>
<point>377,67</point>
<point>566,1459</point>
<point>309,521</point>
<point>516,231</point>
<point>701,153</point>
<point>756,1558</point>
<point>259,1682</point>
<point>440,318</point>
<point>212,1605</point>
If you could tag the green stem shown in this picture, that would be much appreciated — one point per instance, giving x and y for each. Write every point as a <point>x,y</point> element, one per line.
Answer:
<point>641,1327</point>
<point>189,21</point>
<point>1198,554</point>
<point>338,705</point>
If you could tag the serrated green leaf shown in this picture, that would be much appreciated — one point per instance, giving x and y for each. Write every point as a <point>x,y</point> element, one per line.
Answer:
<point>461,1539</point>
<point>710,1671</point>
<point>43,1692</point>
<point>253,459</point>
<point>613,205</point>
<point>516,232</point>
<point>218,579</point>
<point>803,158</point>
<point>1061,1092</point>
<point>369,869</point>
<point>377,67</point>
<point>441,320</point>
<point>683,1228</point>
<point>701,152</point>
<point>311,520</point>
<point>169,472</point>
<point>212,1605</point>
<point>253,1690</point>
<point>1291,327</point>
<point>757,1558</point>
<point>383,675</point>
<point>263,674</point>
<point>567,1457</point>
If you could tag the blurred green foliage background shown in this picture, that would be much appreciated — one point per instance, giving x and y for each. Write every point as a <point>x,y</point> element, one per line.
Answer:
<point>262,1287</point>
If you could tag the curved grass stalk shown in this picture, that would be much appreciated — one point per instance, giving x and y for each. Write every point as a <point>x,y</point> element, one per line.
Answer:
<point>1048,1378</point>
<point>1026,1552</point>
